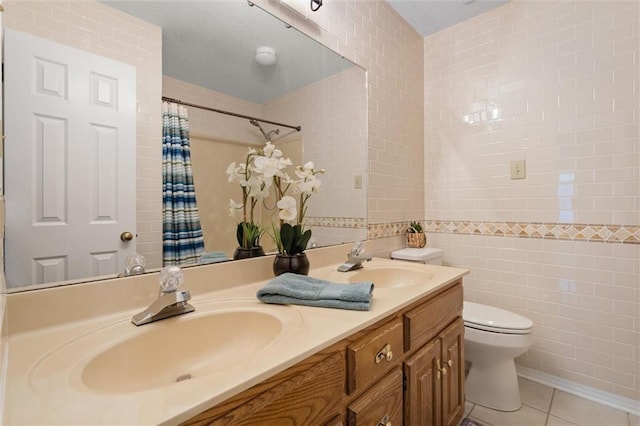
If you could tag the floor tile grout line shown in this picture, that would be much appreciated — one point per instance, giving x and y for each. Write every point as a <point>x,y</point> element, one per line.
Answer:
<point>553,392</point>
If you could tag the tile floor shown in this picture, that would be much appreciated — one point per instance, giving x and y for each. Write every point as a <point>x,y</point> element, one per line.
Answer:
<point>546,406</point>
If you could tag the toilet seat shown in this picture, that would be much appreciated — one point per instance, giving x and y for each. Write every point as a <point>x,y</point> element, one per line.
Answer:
<point>494,320</point>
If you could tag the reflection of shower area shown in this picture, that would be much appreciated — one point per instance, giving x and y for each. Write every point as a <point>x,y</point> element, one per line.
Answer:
<point>334,137</point>
<point>210,159</point>
<point>219,138</point>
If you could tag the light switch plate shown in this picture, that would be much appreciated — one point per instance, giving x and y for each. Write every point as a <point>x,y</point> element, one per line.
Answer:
<point>357,182</point>
<point>518,169</point>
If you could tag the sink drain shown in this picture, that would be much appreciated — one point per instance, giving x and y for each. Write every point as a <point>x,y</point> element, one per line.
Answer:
<point>183,377</point>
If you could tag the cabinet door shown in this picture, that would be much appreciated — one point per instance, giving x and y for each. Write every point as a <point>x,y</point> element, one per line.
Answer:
<point>379,405</point>
<point>422,392</point>
<point>452,339</point>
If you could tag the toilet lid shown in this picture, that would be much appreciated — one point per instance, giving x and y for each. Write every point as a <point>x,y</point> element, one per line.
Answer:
<point>489,318</point>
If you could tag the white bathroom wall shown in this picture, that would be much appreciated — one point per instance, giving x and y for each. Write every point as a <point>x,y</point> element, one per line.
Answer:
<point>555,83</point>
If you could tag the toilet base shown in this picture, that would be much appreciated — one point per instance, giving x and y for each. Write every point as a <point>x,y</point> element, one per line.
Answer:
<point>494,385</point>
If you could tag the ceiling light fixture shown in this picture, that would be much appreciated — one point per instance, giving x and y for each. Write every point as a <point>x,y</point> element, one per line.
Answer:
<point>266,56</point>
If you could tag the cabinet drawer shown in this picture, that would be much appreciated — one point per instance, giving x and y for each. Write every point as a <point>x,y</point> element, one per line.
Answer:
<point>373,355</point>
<point>423,323</point>
<point>382,404</point>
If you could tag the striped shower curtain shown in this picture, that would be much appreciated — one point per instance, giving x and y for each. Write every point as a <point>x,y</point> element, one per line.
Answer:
<point>182,241</point>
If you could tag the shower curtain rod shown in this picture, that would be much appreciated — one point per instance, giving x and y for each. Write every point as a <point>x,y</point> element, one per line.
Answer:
<point>221,111</point>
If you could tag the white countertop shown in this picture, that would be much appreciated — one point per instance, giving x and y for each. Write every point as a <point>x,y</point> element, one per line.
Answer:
<point>44,376</point>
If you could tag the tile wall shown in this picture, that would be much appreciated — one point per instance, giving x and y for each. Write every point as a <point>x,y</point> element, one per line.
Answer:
<point>555,83</point>
<point>372,35</point>
<point>90,26</point>
<point>334,133</point>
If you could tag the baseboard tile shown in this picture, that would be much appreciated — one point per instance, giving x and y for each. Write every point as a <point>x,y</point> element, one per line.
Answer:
<point>587,392</point>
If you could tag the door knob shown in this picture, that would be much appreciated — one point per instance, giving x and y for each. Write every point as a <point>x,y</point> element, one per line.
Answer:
<point>126,236</point>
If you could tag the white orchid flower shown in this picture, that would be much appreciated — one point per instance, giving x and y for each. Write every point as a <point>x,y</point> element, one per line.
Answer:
<point>232,171</point>
<point>270,150</point>
<point>288,210</point>
<point>305,171</point>
<point>284,162</point>
<point>310,185</point>
<point>269,167</point>
<point>234,207</point>
<point>253,184</point>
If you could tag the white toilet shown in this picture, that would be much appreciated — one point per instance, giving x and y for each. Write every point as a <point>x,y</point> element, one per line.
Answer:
<point>493,338</point>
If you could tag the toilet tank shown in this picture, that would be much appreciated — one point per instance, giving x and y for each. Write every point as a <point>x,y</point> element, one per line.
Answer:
<point>428,255</point>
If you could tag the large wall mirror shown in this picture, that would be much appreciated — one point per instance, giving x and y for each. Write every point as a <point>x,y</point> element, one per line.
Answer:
<point>201,53</point>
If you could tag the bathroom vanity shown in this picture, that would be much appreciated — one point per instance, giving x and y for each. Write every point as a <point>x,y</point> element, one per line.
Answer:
<point>414,355</point>
<point>238,361</point>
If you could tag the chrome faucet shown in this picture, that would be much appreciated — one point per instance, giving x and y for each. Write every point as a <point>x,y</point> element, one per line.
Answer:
<point>355,258</point>
<point>170,302</point>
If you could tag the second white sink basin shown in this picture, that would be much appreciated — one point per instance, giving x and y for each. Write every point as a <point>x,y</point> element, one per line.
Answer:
<point>385,275</point>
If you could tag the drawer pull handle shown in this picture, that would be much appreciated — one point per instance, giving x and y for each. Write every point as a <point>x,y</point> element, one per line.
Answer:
<point>442,370</point>
<point>384,353</point>
<point>384,421</point>
<point>450,363</point>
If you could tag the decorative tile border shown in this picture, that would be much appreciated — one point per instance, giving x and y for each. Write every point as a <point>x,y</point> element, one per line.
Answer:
<point>625,234</point>
<point>337,222</point>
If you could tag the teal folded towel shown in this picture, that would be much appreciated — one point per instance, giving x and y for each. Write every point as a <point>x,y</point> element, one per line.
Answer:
<point>212,257</point>
<point>295,289</point>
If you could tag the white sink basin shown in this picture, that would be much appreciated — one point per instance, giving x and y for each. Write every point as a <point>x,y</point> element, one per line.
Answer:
<point>386,275</point>
<point>180,350</point>
<point>122,358</point>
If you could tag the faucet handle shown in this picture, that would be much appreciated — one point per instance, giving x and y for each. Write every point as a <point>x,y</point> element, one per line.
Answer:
<point>358,248</point>
<point>171,277</point>
<point>134,264</point>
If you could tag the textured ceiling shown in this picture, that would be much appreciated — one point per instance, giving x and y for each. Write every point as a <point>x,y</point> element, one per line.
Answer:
<point>212,43</point>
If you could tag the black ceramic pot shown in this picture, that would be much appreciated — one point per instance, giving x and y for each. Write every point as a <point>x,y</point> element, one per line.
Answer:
<point>297,264</point>
<point>244,253</point>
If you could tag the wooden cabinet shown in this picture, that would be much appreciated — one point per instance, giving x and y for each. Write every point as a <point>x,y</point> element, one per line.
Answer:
<point>380,405</point>
<point>309,396</point>
<point>434,376</point>
<point>407,368</point>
